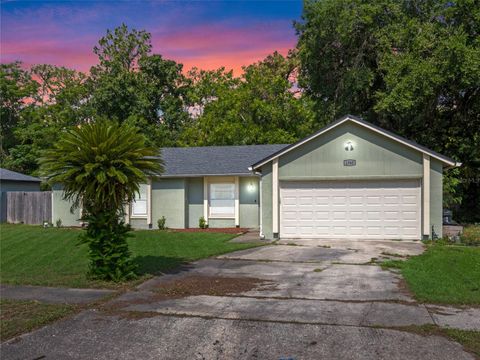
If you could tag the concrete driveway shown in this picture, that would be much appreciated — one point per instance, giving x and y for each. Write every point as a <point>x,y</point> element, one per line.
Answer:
<point>318,299</point>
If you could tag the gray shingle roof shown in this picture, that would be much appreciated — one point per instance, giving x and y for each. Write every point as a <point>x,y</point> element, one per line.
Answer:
<point>214,160</point>
<point>15,176</point>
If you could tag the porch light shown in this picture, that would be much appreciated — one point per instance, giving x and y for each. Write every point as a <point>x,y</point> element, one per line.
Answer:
<point>251,187</point>
<point>348,146</point>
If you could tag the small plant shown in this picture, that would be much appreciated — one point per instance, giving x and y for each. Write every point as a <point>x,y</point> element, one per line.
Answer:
<point>58,223</point>
<point>161,223</point>
<point>202,223</point>
<point>471,235</point>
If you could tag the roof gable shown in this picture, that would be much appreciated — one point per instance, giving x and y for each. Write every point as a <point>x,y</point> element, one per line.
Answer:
<point>8,175</point>
<point>359,121</point>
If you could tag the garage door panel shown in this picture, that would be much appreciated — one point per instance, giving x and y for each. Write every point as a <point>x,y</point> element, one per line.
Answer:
<point>289,200</point>
<point>351,209</point>
<point>322,230</point>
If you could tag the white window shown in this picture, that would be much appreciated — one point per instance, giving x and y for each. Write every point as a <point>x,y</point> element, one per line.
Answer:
<point>222,200</point>
<point>139,205</point>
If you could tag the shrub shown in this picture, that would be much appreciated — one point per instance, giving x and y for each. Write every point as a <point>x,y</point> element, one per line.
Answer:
<point>471,235</point>
<point>202,223</point>
<point>161,223</point>
<point>58,223</point>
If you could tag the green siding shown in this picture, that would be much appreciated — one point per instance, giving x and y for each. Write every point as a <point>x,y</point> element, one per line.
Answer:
<point>249,207</point>
<point>376,157</point>
<point>195,202</point>
<point>221,223</point>
<point>61,209</point>
<point>141,223</point>
<point>267,201</point>
<point>436,196</point>
<point>168,199</point>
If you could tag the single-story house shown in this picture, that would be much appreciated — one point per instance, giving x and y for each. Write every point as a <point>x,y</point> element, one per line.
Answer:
<point>351,179</point>
<point>14,181</point>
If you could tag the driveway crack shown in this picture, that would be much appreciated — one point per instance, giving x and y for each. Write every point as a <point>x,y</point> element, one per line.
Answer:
<point>367,313</point>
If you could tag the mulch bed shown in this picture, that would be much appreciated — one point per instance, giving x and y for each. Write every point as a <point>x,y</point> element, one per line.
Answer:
<point>233,230</point>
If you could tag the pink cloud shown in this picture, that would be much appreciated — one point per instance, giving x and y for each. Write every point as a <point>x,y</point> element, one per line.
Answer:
<point>213,46</point>
<point>77,56</point>
<point>205,46</point>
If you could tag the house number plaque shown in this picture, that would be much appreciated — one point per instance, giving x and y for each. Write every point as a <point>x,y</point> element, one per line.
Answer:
<point>349,162</point>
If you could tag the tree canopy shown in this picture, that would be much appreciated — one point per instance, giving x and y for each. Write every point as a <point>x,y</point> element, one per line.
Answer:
<point>411,67</point>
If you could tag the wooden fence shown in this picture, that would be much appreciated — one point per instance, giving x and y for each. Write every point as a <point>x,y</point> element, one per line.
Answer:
<point>29,207</point>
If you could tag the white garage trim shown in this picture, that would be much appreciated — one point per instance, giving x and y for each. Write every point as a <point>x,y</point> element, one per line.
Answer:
<point>426,195</point>
<point>275,196</point>
<point>382,209</point>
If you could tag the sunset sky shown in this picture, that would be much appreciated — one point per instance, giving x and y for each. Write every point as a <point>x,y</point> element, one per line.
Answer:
<point>206,34</point>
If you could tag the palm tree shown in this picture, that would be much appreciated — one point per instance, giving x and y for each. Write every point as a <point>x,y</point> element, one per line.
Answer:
<point>100,165</point>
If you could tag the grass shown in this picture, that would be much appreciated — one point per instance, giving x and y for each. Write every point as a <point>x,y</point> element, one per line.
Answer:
<point>470,340</point>
<point>18,317</point>
<point>443,274</point>
<point>33,255</point>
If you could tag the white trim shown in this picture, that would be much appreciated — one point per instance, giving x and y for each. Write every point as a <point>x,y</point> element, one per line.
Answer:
<point>127,214</point>
<point>53,206</point>
<point>451,163</point>
<point>275,196</point>
<point>205,199</point>
<point>149,201</point>
<point>237,201</point>
<point>426,195</point>
<point>260,200</point>
<point>141,216</point>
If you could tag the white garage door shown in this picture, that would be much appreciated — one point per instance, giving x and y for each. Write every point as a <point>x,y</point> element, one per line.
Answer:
<point>350,209</point>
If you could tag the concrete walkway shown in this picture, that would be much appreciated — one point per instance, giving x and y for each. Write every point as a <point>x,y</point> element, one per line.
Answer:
<point>252,236</point>
<point>53,295</point>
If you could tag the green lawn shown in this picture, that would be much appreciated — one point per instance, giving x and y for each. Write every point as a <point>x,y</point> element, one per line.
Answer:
<point>18,317</point>
<point>443,274</point>
<point>34,255</point>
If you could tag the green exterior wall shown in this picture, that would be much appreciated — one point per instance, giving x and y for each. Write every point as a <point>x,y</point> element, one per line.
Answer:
<point>61,209</point>
<point>195,201</point>
<point>221,223</point>
<point>168,199</point>
<point>436,196</point>
<point>180,200</point>
<point>141,223</point>
<point>266,200</point>
<point>376,157</point>
<point>249,202</point>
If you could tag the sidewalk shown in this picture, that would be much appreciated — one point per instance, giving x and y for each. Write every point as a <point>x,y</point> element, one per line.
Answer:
<point>53,295</point>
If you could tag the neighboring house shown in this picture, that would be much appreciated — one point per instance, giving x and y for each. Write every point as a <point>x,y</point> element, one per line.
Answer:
<point>14,181</point>
<point>350,179</point>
